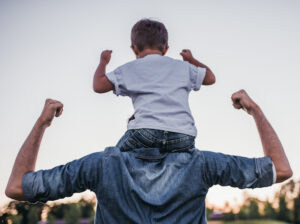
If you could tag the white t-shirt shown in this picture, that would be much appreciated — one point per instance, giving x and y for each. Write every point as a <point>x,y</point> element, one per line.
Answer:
<point>159,87</point>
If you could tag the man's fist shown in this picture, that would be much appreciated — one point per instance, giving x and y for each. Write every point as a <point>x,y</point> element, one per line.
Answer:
<point>105,56</point>
<point>51,108</point>
<point>241,100</point>
<point>186,55</point>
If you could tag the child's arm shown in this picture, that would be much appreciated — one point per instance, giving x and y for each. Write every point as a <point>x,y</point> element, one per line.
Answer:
<point>209,77</point>
<point>101,84</point>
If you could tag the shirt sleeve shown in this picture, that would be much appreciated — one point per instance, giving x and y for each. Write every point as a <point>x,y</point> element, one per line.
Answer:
<point>62,181</point>
<point>197,75</point>
<point>117,79</point>
<point>274,173</point>
<point>237,171</point>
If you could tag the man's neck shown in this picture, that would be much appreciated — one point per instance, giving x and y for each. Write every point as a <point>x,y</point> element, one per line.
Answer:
<point>148,51</point>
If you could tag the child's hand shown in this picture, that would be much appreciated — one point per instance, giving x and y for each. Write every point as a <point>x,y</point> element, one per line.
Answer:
<point>186,55</point>
<point>105,56</point>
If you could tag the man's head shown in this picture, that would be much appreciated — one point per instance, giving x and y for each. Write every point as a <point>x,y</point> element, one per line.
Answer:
<point>149,34</point>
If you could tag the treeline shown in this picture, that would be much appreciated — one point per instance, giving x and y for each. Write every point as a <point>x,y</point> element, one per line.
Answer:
<point>284,207</point>
<point>25,213</point>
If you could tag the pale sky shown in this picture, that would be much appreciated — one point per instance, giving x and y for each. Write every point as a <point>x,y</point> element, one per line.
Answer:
<point>50,49</point>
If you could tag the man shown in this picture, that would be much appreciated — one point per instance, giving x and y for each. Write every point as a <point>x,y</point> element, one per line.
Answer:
<point>147,185</point>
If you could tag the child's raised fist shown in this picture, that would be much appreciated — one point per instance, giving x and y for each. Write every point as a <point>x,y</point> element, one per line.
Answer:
<point>105,56</point>
<point>186,55</point>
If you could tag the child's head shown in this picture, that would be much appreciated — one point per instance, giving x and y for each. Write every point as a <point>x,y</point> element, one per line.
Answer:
<point>149,34</point>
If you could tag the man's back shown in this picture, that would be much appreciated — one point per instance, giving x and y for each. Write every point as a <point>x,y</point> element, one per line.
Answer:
<point>146,185</point>
<point>151,187</point>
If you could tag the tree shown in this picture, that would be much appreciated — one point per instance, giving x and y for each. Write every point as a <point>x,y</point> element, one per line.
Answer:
<point>269,211</point>
<point>87,208</point>
<point>72,213</point>
<point>209,211</point>
<point>229,216</point>
<point>283,212</point>
<point>249,210</point>
<point>253,210</point>
<point>297,209</point>
<point>33,215</point>
<point>24,212</point>
<point>3,218</point>
<point>56,212</point>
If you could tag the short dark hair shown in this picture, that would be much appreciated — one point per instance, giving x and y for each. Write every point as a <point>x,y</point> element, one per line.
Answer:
<point>148,33</point>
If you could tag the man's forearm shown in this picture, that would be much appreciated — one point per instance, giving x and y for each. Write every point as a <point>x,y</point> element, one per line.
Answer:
<point>25,161</point>
<point>272,146</point>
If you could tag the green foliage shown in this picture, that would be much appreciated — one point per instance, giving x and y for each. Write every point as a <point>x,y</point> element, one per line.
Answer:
<point>27,213</point>
<point>16,219</point>
<point>249,210</point>
<point>21,212</point>
<point>269,211</point>
<point>283,212</point>
<point>229,216</point>
<point>287,199</point>
<point>51,219</point>
<point>72,213</point>
<point>253,210</point>
<point>208,212</point>
<point>57,212</point>
<point>4,218</point>
<point>33,215</point>
<point>297,210</point>
<point>87,209</point>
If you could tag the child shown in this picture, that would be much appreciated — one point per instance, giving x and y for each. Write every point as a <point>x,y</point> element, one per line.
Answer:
<point>159,87</point>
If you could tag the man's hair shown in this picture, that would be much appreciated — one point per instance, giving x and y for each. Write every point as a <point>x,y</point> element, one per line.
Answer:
<point>148,33</point>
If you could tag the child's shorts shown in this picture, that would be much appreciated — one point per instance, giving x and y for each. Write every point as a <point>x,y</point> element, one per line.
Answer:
<point>151,138</point>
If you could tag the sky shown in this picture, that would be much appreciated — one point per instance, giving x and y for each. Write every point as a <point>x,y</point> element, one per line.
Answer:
<point>50,49</point>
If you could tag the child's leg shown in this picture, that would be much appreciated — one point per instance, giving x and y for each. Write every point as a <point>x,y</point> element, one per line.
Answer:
<point>124,138</point>
<point>169,141</point>
<point>134,139</point>
<point>177,142</point>
<point>152,138</point>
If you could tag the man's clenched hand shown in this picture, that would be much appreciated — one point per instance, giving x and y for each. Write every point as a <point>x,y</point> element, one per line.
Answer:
<point>51,108</point>
<point>241,100</point>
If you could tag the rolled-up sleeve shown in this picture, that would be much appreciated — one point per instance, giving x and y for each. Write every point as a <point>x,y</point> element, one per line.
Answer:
<point>116,78</point>
<point>237,171</point>
<point>62,181</point>
<point>197,75</point>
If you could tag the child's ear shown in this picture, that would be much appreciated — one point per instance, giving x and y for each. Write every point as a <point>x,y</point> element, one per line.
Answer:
<point>135,50</point>
<point>165,50</point>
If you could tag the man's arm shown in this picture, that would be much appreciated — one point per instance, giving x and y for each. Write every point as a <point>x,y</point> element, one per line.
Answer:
<point>209,77</point>
<point>101,84</point>
<point>271,144</point>
<point>26,158</point>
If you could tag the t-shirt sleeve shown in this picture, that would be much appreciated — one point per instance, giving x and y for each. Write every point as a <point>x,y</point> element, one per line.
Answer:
<point>62,181</point>
<point>237,171</point>
<point>197,75</point>
<point>117,79</point>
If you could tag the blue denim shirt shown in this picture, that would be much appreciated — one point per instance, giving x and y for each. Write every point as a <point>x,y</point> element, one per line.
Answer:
<point>146,185</point>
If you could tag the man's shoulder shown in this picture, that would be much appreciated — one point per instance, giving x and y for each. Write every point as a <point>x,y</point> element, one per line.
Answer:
<point>108,151</point>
